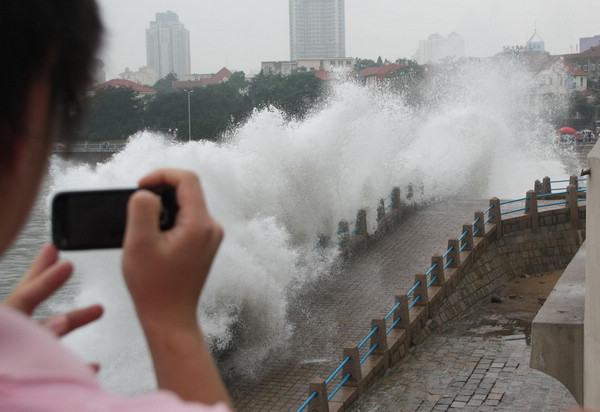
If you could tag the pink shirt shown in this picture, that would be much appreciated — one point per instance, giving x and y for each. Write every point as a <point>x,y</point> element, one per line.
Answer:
<point>37,373</point>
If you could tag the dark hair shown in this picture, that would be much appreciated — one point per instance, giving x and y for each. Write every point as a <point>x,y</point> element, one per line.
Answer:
<point>33,33</point>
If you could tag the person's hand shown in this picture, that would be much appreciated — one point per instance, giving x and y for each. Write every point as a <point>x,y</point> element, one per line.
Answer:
<point>45,276</point>
<point>165,271</point>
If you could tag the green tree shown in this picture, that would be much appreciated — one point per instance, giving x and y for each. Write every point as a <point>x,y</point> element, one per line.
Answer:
<point>581,106</point>
<point>115,113</point>
<point>295,94</point>
<point>165,85</point>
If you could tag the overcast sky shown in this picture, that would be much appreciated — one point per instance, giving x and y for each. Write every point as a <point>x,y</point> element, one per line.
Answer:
<point>239,34</point>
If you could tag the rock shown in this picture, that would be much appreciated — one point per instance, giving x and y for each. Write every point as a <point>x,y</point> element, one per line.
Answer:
<point>513,296</point>
<point>497,299</point>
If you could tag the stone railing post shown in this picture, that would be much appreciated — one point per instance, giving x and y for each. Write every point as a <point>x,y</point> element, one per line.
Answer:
<point>344,235</point>
<point>573,181</point>
<point>438,270</point>
<point>380,338</point>
<point>467,240</point>
<point>537,186</point>
<point>421,291</point>
<point>381,220</point>
<point>319,402</point>
<point>546,187</point>
<point>396,200</point>
<point>401,313</point>
<point>361,234</point>
<point>454,254</point>
<point>572,203</point>
<point>352,367</point>
<point>323,241</point>
<point>531,205</point>
<point>479,226</point>
<point>496,215</point>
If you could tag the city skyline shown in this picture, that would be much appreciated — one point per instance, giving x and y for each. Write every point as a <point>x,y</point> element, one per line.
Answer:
<point>241,35</point>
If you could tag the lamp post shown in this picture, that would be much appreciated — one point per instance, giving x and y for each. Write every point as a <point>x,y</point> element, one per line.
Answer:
<point>189,117</point>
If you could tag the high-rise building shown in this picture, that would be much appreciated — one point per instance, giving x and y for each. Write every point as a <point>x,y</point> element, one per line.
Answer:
<point>437,48</point>
<point>168,45</point>
<point>317,29</point>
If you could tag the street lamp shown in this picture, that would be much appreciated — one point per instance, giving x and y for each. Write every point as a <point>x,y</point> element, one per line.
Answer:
<point>189,117</point>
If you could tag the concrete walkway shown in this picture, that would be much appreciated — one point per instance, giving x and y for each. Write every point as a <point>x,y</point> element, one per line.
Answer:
<point>339,309</point>
<point>480,363</point>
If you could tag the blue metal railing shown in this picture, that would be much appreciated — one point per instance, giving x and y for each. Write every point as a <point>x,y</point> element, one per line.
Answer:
<point>429,284</point>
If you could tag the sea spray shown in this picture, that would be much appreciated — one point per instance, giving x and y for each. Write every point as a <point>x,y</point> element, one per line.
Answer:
<point>276,184</point>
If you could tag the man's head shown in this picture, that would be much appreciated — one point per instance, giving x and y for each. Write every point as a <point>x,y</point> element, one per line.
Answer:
<point>48,50</point>
<point>57,36</point>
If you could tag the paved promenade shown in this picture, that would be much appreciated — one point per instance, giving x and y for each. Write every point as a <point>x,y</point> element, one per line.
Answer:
<point>438,373</point>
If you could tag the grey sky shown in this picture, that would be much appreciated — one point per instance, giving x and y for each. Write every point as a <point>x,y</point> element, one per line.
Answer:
<point>240,34</point>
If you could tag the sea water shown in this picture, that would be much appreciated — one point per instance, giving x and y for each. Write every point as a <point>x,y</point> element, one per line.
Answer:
<point>276,184</point>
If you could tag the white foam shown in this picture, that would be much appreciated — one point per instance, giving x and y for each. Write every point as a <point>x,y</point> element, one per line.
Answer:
<point>276,184</point>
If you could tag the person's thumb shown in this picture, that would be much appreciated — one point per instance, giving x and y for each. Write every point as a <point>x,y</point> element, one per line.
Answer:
<point>143,218</point>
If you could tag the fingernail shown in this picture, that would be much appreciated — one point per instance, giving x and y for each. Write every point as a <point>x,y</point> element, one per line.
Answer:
<point>56,324</point>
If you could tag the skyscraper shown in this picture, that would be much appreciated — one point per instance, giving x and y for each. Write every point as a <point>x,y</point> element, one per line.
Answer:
<point>317,29</point>
<point>168,45</point>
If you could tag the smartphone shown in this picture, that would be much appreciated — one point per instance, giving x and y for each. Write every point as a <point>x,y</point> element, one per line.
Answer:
<point>96,219</point>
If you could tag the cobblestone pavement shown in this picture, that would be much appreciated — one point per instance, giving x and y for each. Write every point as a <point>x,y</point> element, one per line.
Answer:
<point>480,363</point>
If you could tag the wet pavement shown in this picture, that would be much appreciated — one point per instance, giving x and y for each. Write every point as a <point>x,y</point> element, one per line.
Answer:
<point>479,363</point>
<point>454,368</point>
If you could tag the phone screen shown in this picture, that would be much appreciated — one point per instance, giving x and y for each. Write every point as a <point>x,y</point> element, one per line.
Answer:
<point>97,219</point>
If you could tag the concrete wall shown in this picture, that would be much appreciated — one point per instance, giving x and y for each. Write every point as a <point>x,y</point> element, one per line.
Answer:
<point>591,351</point>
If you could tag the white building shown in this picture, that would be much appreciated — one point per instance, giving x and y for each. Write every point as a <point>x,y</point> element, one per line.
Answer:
<point>147,76</point>
<point>437,48</point>
<point>168,45</point>
<point>317,29</point>
<point>562,78</point>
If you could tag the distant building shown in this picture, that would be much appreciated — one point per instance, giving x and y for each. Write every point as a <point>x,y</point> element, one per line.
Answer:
<point>317,29</point>
<point>561,78</point>
<point>437,48</point>
<point>330,64</point>
<point>586,43</point>
<point>309,65</point>
<point>588,61</point>
<point>202,80</point>
<point>137,88</point>
<point>284,68</point>
<point>147,76</point>
<point>535,44</point>
<point>371,76</point>
<point>168,45</point>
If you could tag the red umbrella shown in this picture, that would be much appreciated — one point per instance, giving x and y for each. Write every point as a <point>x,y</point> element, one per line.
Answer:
<point>567,129</point>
